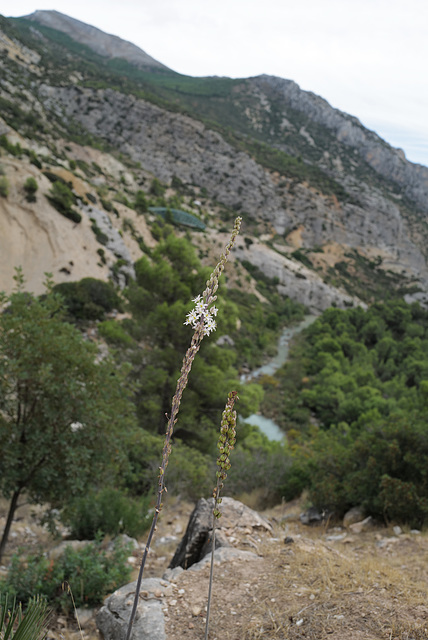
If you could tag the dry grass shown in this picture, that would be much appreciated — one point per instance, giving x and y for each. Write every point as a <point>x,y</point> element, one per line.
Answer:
<point>345,590</point>
<point>367,587</point>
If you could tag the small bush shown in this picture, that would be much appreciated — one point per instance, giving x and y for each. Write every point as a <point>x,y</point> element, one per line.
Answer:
<point>4,187</point>
<point>30,188</point>
<point>89,299</point>
<point>106,204</point>
<point>13,149</point>
<point>157,188</point>
<point>90,572</point>
<point>113,332</point>
<point>401,502</point>
<point>34,160</point>
<point>266,476</point>
<point>140,202</point>
<point>102,255</point>
<point>101,237</point>
<point>62,198</point>
<point>109,511</point>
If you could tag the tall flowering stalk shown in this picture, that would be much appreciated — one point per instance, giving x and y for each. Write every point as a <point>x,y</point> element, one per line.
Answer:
<point>225,444</point>
<point>202,321</point>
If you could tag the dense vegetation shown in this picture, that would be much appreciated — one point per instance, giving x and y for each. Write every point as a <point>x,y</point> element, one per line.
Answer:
<point>354,399</point>
<point>87,430</point>
<point>84,575</point>
<point>68,416</point>
<point>61,411</point>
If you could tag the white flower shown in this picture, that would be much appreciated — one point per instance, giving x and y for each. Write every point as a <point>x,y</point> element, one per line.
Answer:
<point>192,318</point>
<point>209,325</point>
<point>201,312</point>
<point>201,307</point>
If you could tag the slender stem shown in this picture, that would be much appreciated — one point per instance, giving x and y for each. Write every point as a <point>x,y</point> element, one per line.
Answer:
<point>209,297</point>
<point>225,445</point>
<point>207,622</point>
<point>181,384</point>
<point>140,575</point>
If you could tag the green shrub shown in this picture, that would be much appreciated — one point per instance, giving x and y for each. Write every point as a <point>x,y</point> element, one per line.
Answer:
<point>102,255</point>
<point>62,198</point>
<point>107,205</point>
<point>90,572</point>
<point>13,149</point>
<point>53,177</point>
<point>382,468</point>
<point>101,237</point>
<point>30,188</point>
<point>108,511</point>
<point>140,202</point>
<point>34,159</point>
<point>113,332</point>
<point>259,464</point>
<point>190,472</point>
<point>89,299</point>
<point>4,187</point>
<point>121,197</point>
<point>401,501</point>
<point>157,188</point>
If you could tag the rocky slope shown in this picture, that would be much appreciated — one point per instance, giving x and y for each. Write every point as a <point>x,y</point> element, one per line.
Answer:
<point>330,208</point>
<point>336,580</point>
<point>100,42</point>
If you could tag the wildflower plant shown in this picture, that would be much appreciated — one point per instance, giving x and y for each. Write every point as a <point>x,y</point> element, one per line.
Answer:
<point>202,321</point>
<point>225,444</point>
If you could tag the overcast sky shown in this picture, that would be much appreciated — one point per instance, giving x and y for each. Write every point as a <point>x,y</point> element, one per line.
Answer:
<point>366,57</point>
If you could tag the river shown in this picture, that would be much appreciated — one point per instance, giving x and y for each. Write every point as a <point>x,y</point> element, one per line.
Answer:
<point>266,425</point>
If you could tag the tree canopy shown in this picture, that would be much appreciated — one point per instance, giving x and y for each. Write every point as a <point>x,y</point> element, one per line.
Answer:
<point>354,406</point>
<point>61,409</point>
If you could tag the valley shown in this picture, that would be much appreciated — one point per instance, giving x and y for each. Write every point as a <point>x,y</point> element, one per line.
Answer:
<point>120,184</point>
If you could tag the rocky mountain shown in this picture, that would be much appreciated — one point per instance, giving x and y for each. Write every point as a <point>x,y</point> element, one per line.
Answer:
<point>100,42</point>
<point>332,213</point>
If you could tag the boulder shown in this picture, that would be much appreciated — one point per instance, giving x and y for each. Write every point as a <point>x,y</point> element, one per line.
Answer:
<point>84,616</point>
<point>314,516</point>
<point>356,514</point>
<point>149,623</point>
<point>196,542</point>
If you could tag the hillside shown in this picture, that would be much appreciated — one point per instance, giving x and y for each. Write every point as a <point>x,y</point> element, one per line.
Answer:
<point>123,179</point>
<point>330,210</point>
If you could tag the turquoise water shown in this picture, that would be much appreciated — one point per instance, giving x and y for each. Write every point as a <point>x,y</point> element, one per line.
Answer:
<point>266,425</point>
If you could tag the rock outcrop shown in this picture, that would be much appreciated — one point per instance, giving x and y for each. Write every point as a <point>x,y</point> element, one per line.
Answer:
<point>196,542</point>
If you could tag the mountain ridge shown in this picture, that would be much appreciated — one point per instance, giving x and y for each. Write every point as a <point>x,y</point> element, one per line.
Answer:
<point>326,191</point>
<point>107,45</point>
